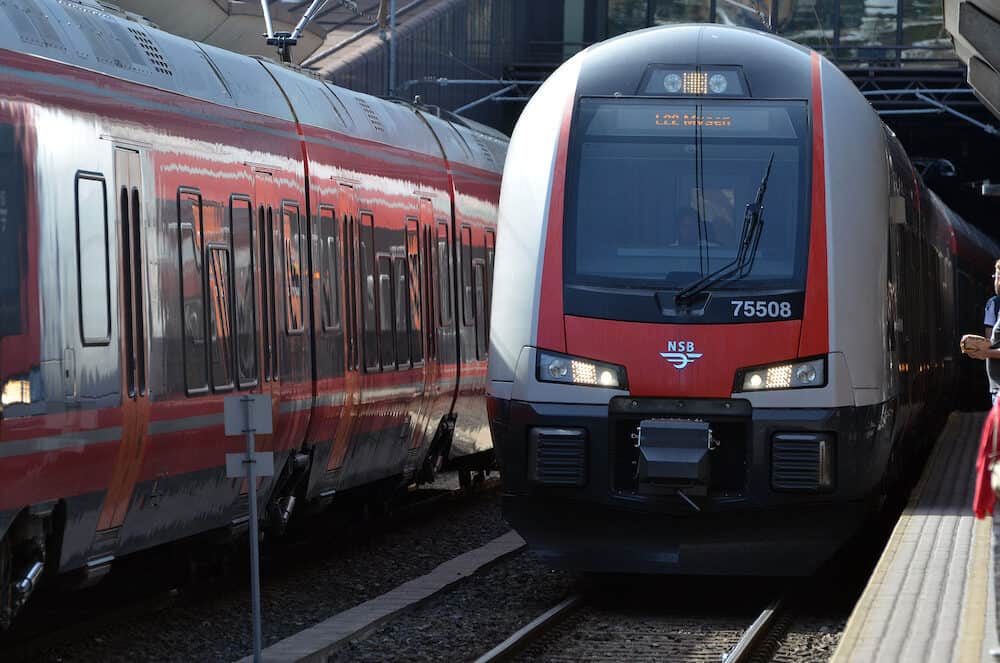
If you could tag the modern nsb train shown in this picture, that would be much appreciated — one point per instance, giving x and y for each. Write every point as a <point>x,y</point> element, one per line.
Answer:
<point>179,224</point>
<point>729,310</point>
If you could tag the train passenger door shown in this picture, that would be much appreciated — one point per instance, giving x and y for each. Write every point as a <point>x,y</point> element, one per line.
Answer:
<point>132,307</point>
<point>351,288</point>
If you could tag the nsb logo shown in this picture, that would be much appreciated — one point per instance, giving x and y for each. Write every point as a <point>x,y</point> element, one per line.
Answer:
<point>680,353</point>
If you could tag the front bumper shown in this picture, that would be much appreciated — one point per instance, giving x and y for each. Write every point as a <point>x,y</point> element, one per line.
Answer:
<point>744,520</point>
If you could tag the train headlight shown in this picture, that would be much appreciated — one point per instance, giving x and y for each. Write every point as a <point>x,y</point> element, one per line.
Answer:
<point>553,367</point>
<point>786,375</point>
<point>718,84</point>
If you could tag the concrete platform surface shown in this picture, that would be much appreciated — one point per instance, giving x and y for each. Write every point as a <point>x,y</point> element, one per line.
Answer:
<point>930,597</point>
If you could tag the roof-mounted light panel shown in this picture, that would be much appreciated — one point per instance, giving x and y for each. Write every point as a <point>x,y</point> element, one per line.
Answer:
<point>694,81</point>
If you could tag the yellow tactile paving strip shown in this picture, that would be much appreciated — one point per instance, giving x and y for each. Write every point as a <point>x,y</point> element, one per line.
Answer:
<point>927,598</point>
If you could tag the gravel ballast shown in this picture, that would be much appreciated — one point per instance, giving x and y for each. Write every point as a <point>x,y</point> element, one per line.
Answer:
<point>303,582</point>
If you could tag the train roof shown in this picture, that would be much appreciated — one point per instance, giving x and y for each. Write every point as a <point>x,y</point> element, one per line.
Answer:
<point>86,34</point>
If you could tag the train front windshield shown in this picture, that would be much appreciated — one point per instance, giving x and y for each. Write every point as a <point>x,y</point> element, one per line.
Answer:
<point>657,192</point>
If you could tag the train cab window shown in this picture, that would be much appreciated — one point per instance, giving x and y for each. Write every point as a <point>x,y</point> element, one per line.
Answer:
<point>189,237</point>
<point>220,317</point>
<point>385,313</point>
<point>465,252</point>
<point>679,175</point>
<point>366,249</point>
<point>244,259</point>
<point>401,295</point>
<point>93,288</point>
<point>414,281</point>
<point>443,254</point>
<point>329,259</point>
<point>292,240</point>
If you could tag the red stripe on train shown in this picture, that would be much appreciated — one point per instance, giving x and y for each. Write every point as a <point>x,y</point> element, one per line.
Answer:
<point>815,339</point>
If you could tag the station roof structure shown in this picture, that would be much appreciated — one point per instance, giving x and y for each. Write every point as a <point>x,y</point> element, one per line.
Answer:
<point>341,30</point>
<point>975,29</point>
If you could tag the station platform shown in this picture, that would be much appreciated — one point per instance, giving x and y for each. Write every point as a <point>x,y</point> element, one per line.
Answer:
<point>932,594</point>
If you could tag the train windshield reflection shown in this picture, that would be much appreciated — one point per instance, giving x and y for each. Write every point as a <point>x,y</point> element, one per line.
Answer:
<point>656,191</point>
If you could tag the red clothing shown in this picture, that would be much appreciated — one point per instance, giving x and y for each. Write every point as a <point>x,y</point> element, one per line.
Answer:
<point>984,498</point>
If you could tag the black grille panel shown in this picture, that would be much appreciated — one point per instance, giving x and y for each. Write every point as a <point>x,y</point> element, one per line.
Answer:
<point>801,463</point>
<point>559,456</point>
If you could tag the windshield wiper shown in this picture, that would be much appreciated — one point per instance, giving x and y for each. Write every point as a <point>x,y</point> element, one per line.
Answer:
<point>753,225</point>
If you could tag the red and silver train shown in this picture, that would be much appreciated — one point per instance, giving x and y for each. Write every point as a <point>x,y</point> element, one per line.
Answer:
<point>743,307</point>
<point>180,223</point>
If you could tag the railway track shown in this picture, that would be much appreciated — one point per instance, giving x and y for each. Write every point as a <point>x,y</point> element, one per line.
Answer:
<point>132,593</point>
<point>581,628</point>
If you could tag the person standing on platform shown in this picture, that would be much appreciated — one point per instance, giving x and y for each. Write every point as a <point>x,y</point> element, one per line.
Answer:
<point>987,347</point>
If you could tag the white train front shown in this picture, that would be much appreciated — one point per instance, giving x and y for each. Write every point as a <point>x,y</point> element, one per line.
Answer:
<point>726,309</point>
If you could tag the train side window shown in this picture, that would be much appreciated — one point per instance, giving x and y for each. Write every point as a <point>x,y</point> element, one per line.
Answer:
<point>385,312</point>
<point>189,238</point>
<point>244,259</point>
<point>292,239</point>
<point>444,275</point>
<point>401,292</point>
<point>465,254</point>
<point>480,304</point>
<point>490,243</point>
<point>366,248</point>
<point>92,245</point>
<point>414,291</point>
<point>329,267</point>
<point>220,317</point>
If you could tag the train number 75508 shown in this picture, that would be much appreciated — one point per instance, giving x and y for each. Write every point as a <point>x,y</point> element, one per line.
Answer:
<point>752,308</point>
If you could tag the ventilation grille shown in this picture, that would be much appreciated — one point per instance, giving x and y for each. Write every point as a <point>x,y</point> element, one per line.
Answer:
<point>372,115</point>
<point>155,57</point>
<point>32,24</point>
<point>558,456</point>
<point>485,150</point>
<point>801,463</point>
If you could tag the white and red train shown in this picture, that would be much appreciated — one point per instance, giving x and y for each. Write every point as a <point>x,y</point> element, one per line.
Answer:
<point>180,223</point>
<point>744,307</point>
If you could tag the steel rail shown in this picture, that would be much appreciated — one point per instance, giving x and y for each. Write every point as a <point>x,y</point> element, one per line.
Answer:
<point>745,648</point>
<point>533,630</point>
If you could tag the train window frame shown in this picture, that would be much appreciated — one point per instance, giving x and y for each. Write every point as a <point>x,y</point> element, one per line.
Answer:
<point>480,301</point>
<point>465,261</point>
<point>385,304</point>
<point>254,379</point>
<point>292,206</point>
<point>85,339</point>
<point>370,352</point>
<point>446,309</point>
<point>489,248</point>
<point>197,238</point>
<point>402,311</point>
<point>415,291</point>
<point>210,249</point>
<point>329,259</point>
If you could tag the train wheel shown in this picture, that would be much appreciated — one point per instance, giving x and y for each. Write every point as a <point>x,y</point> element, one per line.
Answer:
<point>6,584</point>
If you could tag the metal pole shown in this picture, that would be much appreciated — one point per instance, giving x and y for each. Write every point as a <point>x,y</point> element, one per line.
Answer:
<point>267,18</point>
<point>254,540</point>
<point>392,48</point>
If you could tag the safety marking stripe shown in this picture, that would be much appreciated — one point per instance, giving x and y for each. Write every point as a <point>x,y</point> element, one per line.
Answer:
<point>36,445</point>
